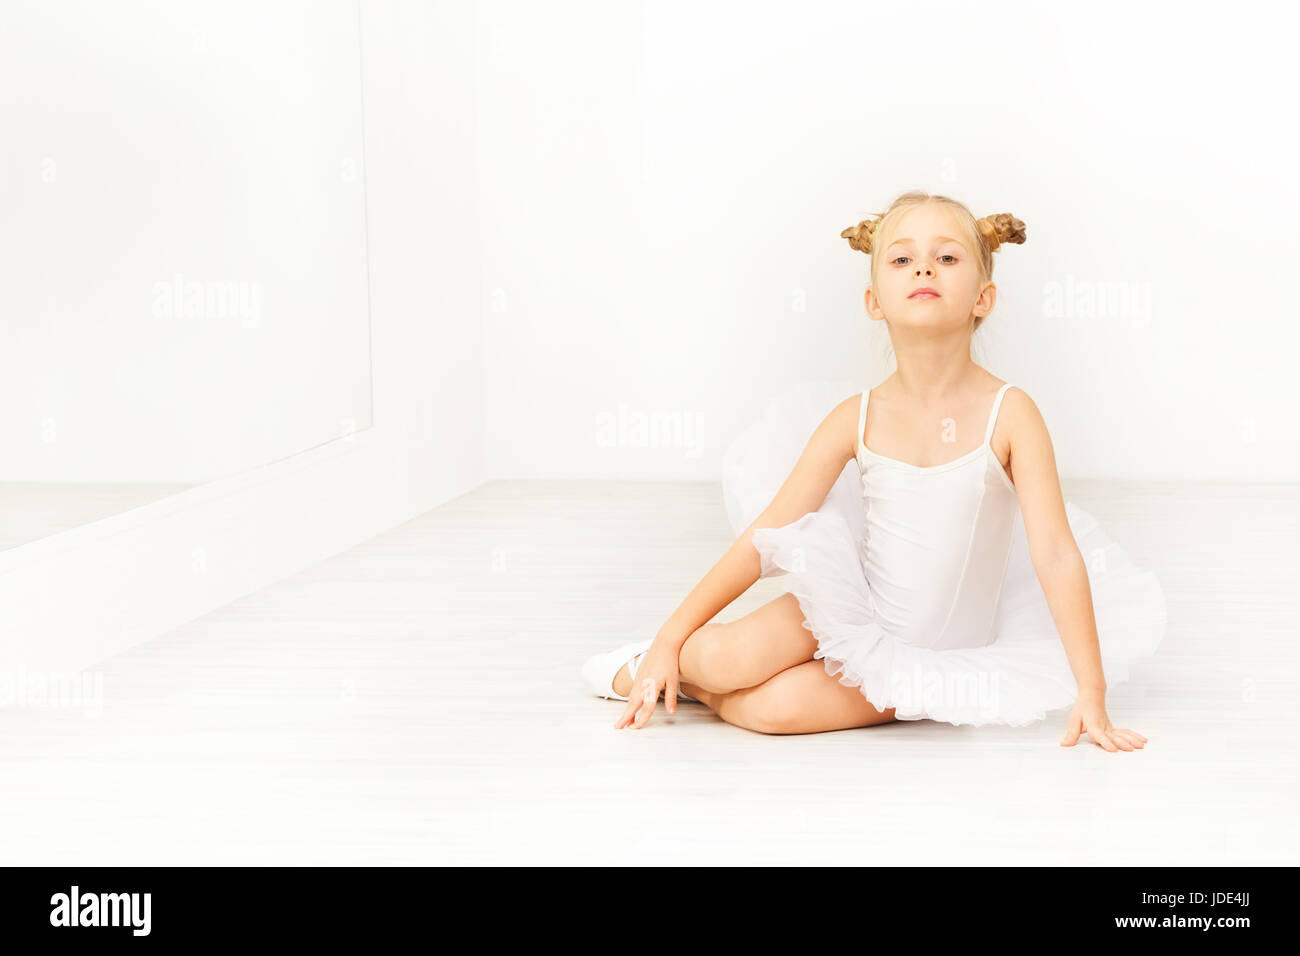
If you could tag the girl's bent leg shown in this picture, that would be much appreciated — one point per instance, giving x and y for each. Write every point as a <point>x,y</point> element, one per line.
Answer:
<point>803,699</point>
<point>723,657</point>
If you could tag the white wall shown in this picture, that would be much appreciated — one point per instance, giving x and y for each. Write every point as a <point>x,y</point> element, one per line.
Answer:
<point>664,184</point>
<point>183,242</point>
<point>73,599</point>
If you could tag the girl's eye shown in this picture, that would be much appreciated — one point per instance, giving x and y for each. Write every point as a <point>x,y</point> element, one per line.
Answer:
<point>946,256</point>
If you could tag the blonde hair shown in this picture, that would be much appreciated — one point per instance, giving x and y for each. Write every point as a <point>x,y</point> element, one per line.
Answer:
<point>984,235</point>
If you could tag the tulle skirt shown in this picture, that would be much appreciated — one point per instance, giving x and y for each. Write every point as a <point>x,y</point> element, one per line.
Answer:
<point>1016,679</point>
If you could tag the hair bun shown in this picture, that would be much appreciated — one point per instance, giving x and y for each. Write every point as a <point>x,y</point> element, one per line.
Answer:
<point>859,236</point>
<point>1001,227</point>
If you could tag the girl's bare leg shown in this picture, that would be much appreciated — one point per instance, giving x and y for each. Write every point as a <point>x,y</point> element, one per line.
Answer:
<point>758,672</point>
<point>803,699</point>
<point>726,656</point>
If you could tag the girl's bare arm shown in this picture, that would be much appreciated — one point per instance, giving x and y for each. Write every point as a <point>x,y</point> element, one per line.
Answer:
<point>822,461</point>
<point>1052,548</point>
<point>1063,575</point>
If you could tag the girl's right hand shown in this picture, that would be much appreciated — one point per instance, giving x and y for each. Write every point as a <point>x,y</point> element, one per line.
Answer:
<point>658,672</point>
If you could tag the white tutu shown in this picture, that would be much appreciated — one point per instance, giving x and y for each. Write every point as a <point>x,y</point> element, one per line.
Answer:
<point>1015,679</point>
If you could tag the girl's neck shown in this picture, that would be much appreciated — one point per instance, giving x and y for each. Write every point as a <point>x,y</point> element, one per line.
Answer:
<point>934,377</point>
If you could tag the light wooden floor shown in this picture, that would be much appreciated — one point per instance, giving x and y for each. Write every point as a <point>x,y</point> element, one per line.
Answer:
<point>417,700</point>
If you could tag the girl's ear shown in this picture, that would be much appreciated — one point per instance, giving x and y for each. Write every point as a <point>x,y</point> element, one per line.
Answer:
<point>871,303</point>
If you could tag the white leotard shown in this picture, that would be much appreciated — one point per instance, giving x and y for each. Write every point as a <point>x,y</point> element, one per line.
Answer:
<point>937,541</point>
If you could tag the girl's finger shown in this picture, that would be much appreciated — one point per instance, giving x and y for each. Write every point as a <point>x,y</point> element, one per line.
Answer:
<point>1119,740</point>
<point>1130,737</point>
<point>634,703</point>
<point>628,710</point>
<point>1071,732</point>
<point>649,691</point>
<point>628,720</point>
<point>643,715</point>
<point>1102,740</point>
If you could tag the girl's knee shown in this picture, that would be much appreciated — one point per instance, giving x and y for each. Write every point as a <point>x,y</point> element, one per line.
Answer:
<point>766,710</point>
<point>712,651</point>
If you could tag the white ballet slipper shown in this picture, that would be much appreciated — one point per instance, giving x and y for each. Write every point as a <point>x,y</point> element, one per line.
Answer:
<point>599,670</point>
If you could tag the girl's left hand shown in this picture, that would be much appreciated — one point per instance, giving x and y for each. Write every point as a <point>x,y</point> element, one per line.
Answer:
<point>1089,714</point>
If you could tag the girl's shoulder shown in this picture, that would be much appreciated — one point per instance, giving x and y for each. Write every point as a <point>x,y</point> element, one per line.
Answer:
<point>1019,423</point>
<point>1016,402</point>
<point>1013,396</point>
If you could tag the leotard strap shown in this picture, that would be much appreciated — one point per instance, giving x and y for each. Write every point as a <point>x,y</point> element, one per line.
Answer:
<point>993,415</point>
<point>862,419</point>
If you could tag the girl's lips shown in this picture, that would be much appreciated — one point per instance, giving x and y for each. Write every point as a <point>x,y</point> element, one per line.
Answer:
<point>923,294</point>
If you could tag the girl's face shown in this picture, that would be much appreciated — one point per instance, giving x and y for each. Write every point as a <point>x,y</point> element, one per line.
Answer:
<point>927,252</point>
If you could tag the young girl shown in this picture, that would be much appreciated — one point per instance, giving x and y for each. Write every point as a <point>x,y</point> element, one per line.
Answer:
<point>952,585</point>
